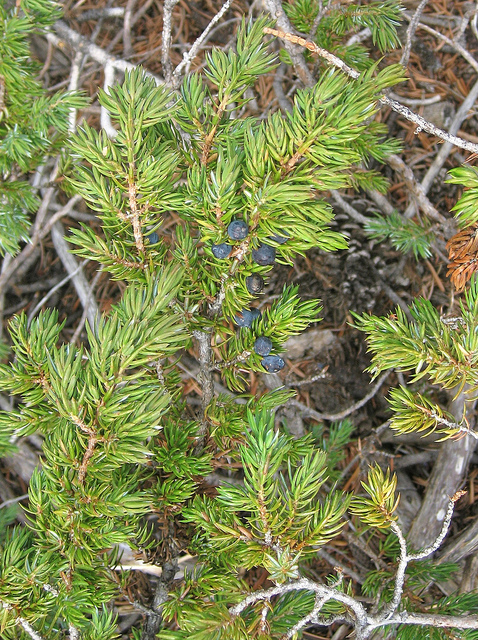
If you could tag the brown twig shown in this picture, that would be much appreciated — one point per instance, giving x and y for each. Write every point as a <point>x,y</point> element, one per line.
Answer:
<point>300,67</point>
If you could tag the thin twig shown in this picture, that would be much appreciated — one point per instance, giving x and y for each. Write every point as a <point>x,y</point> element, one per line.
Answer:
<point>411,31</point>
<point>97,14</point>
<point>415,102</point>
<point>446,148</point>
<point>284,102</point>
<point>348,209</point>
<point>166,39</point>
<point>346,412</point>
<point>415,188</point>
<point>105,118</point>
<point>73,86</point>
<point>127,26</point>
<point>139,14</point>
<point>163,586</point>
<point>189,56</point>
<point>82,286</point>
<point>300,67</point>
<point>29,629</point>
<point>444,530</point>
<point>39,229</point>
<point>364,622</point>
<point>452,43</point>
<point>86,310</point>
<point>205,379</point>
<point>7,503</point>
<point>406,557</point>
<point>78,42</point>
<point>336,563</point>
<point>55,288</point>
<point>318,18</point>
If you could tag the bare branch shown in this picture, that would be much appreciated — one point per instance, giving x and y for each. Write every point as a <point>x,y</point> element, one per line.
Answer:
<point>364,622</point>
<point>301,584</point>
<point>415,188</point>
<point>189,56</point>
<point>415,102</point>
<point>79,43</point>
<point>446,148</point>
<point>29,629</point>
<point>82,286</point>
<point>59,285</point>
<point>307,411</point>
<point>205,379</point>
<point>73,632</point>
<point>127,26</point>
<point>452,43</point>
<point>411,31</point>
<point>444,530</point>
<point>166,40</point>
<point>300,67</point>
<point>105,119</point>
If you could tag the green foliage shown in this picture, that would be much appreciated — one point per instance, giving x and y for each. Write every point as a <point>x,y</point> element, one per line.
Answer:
<point>429,345</point>
<point>416,412</point>
<point>279,505</point>
<point>442,349</point>
<point>466,212</point>
<point>334,444</point>
<point>405,235</point>
<point>377,511</point>
<point>380,583</point>
<point>286,317</point>
<point>121,444</point>
<point>33,124</point>
<point>276,517</point>
<point>382,18</point>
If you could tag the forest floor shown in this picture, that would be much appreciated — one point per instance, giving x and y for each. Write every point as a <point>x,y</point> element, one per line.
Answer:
<point>328,365</point>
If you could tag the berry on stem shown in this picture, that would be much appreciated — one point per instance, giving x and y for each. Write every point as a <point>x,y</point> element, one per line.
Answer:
<point>237,230</point>
<point>254,283</point>
<point>256,314</point>
<point>263,346</point>
<point>153,238</point>
<point>245,317</point>
<point>264,255</point>
<point>279,239</point>
<point>221,251</point>
<point>272,364</point>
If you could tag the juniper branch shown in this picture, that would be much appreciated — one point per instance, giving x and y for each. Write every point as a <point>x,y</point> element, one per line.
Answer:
<point>333,60</point>
<point>364,622</point>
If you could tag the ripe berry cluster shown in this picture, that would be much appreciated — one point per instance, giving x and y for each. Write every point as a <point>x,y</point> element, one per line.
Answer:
<point>264,255</point>
<point>238,229</point>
